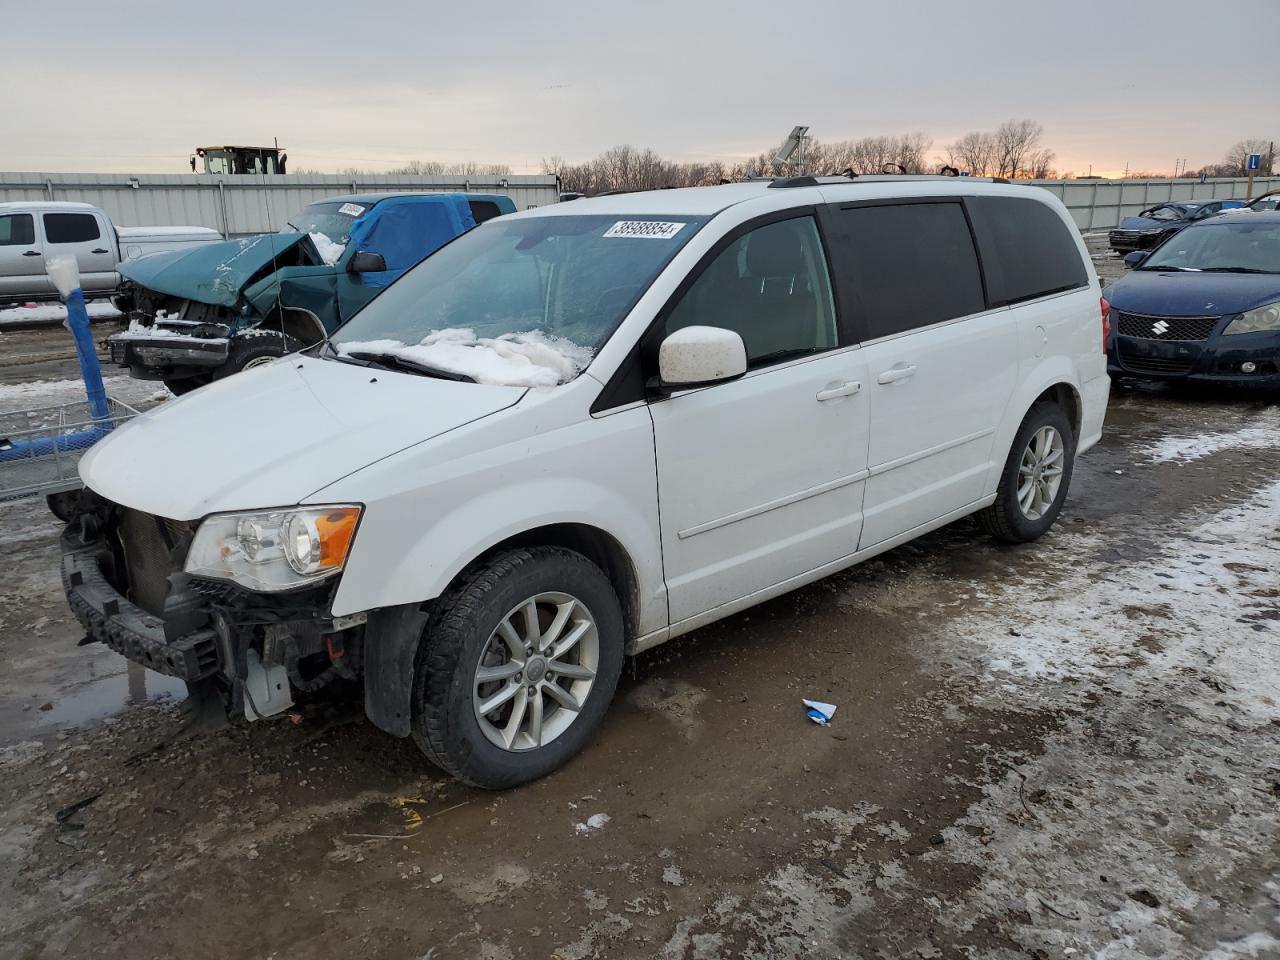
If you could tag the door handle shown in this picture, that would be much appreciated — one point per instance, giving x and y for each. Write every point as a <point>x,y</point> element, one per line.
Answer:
<point>31,253</point>
<point>99,250</point>
<point>898,372</point>
<point>846,389</point>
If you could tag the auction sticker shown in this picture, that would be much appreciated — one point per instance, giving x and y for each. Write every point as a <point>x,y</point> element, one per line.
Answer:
<point>351,209</point>
<point>644,229</point>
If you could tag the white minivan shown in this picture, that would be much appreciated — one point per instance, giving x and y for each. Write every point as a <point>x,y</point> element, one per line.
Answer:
<point>579,431</point>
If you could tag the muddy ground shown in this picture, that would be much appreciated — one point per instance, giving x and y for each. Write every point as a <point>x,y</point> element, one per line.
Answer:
<point>1059,750</point>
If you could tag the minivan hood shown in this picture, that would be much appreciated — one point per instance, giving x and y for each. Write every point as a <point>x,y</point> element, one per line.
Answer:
<point>1177,293</point>
<point>213,272</point>
<point>271,436</point>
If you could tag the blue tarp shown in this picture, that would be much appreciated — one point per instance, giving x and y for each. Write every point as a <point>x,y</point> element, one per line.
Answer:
<point>406,229</point>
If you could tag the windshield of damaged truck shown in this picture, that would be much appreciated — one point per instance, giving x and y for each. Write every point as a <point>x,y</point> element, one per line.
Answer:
<point>524,302</point>
<point>334,220</point>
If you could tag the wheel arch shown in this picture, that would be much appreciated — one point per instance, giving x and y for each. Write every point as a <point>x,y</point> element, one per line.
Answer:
<point>601,548</point>
<point>297,322</point>
<point>1068,398</point>
<point>1054,380</point>
<point>392,634</point>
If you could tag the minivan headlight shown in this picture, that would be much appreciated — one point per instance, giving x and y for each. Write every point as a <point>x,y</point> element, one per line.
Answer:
<point>273,550</point>
<point>1258,320</point>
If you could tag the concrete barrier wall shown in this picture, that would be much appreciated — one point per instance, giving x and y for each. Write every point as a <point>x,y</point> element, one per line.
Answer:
<point>240,205</point>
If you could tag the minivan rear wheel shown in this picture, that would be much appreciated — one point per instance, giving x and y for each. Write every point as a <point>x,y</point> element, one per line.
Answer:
<point>1036,475</point>
<point>517,666</point>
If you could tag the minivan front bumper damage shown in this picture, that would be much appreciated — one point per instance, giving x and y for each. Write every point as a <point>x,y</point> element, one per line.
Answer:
<point>122,573</point>
<point>109,618</point>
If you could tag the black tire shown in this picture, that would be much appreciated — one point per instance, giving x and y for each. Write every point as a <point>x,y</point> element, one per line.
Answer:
<point>255,346</point>
<point>445,726</point>
<point>186,385</point>
<point>1004,519</point>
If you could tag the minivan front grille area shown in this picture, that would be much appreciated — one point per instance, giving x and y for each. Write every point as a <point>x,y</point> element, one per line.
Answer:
<point>1143,327</point>
<point>154,547</point>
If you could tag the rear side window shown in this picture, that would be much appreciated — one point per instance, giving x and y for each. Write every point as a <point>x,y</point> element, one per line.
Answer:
<point>482,210</point>
<point>908,265</point>
<point>17,229</point>
<point>70,227</point>
<point>1027,249</point>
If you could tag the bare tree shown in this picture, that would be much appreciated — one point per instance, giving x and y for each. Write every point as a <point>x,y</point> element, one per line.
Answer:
<point>1011,150</point>
<point>1016,140</point>
<point>975,152</point>
<point>1235,163</point>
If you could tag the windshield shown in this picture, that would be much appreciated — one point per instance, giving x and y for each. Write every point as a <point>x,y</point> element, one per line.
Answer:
<point>525,302</point>
<point>333,219</point>
<point>1168,213</point>
<point>1226,244</point>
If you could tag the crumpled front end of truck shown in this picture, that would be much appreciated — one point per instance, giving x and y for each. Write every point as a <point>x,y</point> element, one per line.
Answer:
<point>185,309</point>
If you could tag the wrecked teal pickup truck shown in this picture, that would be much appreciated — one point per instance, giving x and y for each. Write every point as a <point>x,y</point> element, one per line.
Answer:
<point>203,314</point>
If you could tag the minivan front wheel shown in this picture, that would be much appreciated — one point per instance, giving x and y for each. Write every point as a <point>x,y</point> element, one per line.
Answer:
<point>1035,479</point>
<point>517,667</point>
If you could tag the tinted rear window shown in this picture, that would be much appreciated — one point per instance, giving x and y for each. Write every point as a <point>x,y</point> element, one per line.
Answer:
<point>908,265</point>
<point>482,210</point>
<point>70,227</point>
<point>17,229</point>
<point>1027,250</point>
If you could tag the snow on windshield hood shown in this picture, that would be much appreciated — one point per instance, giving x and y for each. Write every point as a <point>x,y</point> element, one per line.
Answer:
<point>530,359</point>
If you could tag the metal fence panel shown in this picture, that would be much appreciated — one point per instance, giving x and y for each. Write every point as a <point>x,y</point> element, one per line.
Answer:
<point>1101,204</point>
<point>240,205</point>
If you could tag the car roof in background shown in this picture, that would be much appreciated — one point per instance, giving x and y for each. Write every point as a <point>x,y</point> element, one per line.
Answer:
<point>1252,219</point>
<point>370,199</point>
<point>45,205</point>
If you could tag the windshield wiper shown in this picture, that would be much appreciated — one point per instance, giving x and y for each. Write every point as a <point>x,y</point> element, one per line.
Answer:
<point>1234,270</point>
<point>392,361</point>
<point>1191,269</point>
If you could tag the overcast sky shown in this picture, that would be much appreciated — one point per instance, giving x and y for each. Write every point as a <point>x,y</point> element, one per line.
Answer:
<point>131,87</point>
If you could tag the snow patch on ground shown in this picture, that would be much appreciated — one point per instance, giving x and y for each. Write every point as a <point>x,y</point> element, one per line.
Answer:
<point>329,251</point>
<point>53,312</point>
<point>1258,436</point>
<point>1140,827</point>
<point>530,359</point>
<point>1159,784</point>
<point>48,393</point>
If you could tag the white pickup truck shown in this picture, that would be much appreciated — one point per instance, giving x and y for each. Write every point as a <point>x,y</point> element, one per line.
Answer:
<point>31,232</point>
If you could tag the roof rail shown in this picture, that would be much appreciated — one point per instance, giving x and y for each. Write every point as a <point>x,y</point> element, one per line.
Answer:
<point>782,183</point>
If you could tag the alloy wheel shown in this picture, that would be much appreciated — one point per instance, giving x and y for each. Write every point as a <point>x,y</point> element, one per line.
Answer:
<point>536,671</point>
<point>1040,473</point>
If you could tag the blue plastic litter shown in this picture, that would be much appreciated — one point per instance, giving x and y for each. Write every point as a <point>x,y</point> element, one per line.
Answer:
<point>819,712</point>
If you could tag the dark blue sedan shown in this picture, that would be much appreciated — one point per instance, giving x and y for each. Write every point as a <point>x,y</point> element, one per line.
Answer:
<point>1204,305</point>
<point>1156,224</point>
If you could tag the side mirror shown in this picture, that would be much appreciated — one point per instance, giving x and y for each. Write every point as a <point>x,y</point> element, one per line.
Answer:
<point>695,356</point>
<point>1135,257</point>
<point>366,262</point>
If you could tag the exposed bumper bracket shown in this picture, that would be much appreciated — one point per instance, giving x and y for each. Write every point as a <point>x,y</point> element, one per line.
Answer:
<point>128,629</point>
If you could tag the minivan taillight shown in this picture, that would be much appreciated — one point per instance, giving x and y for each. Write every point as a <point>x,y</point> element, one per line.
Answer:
<point>1106,321</point>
